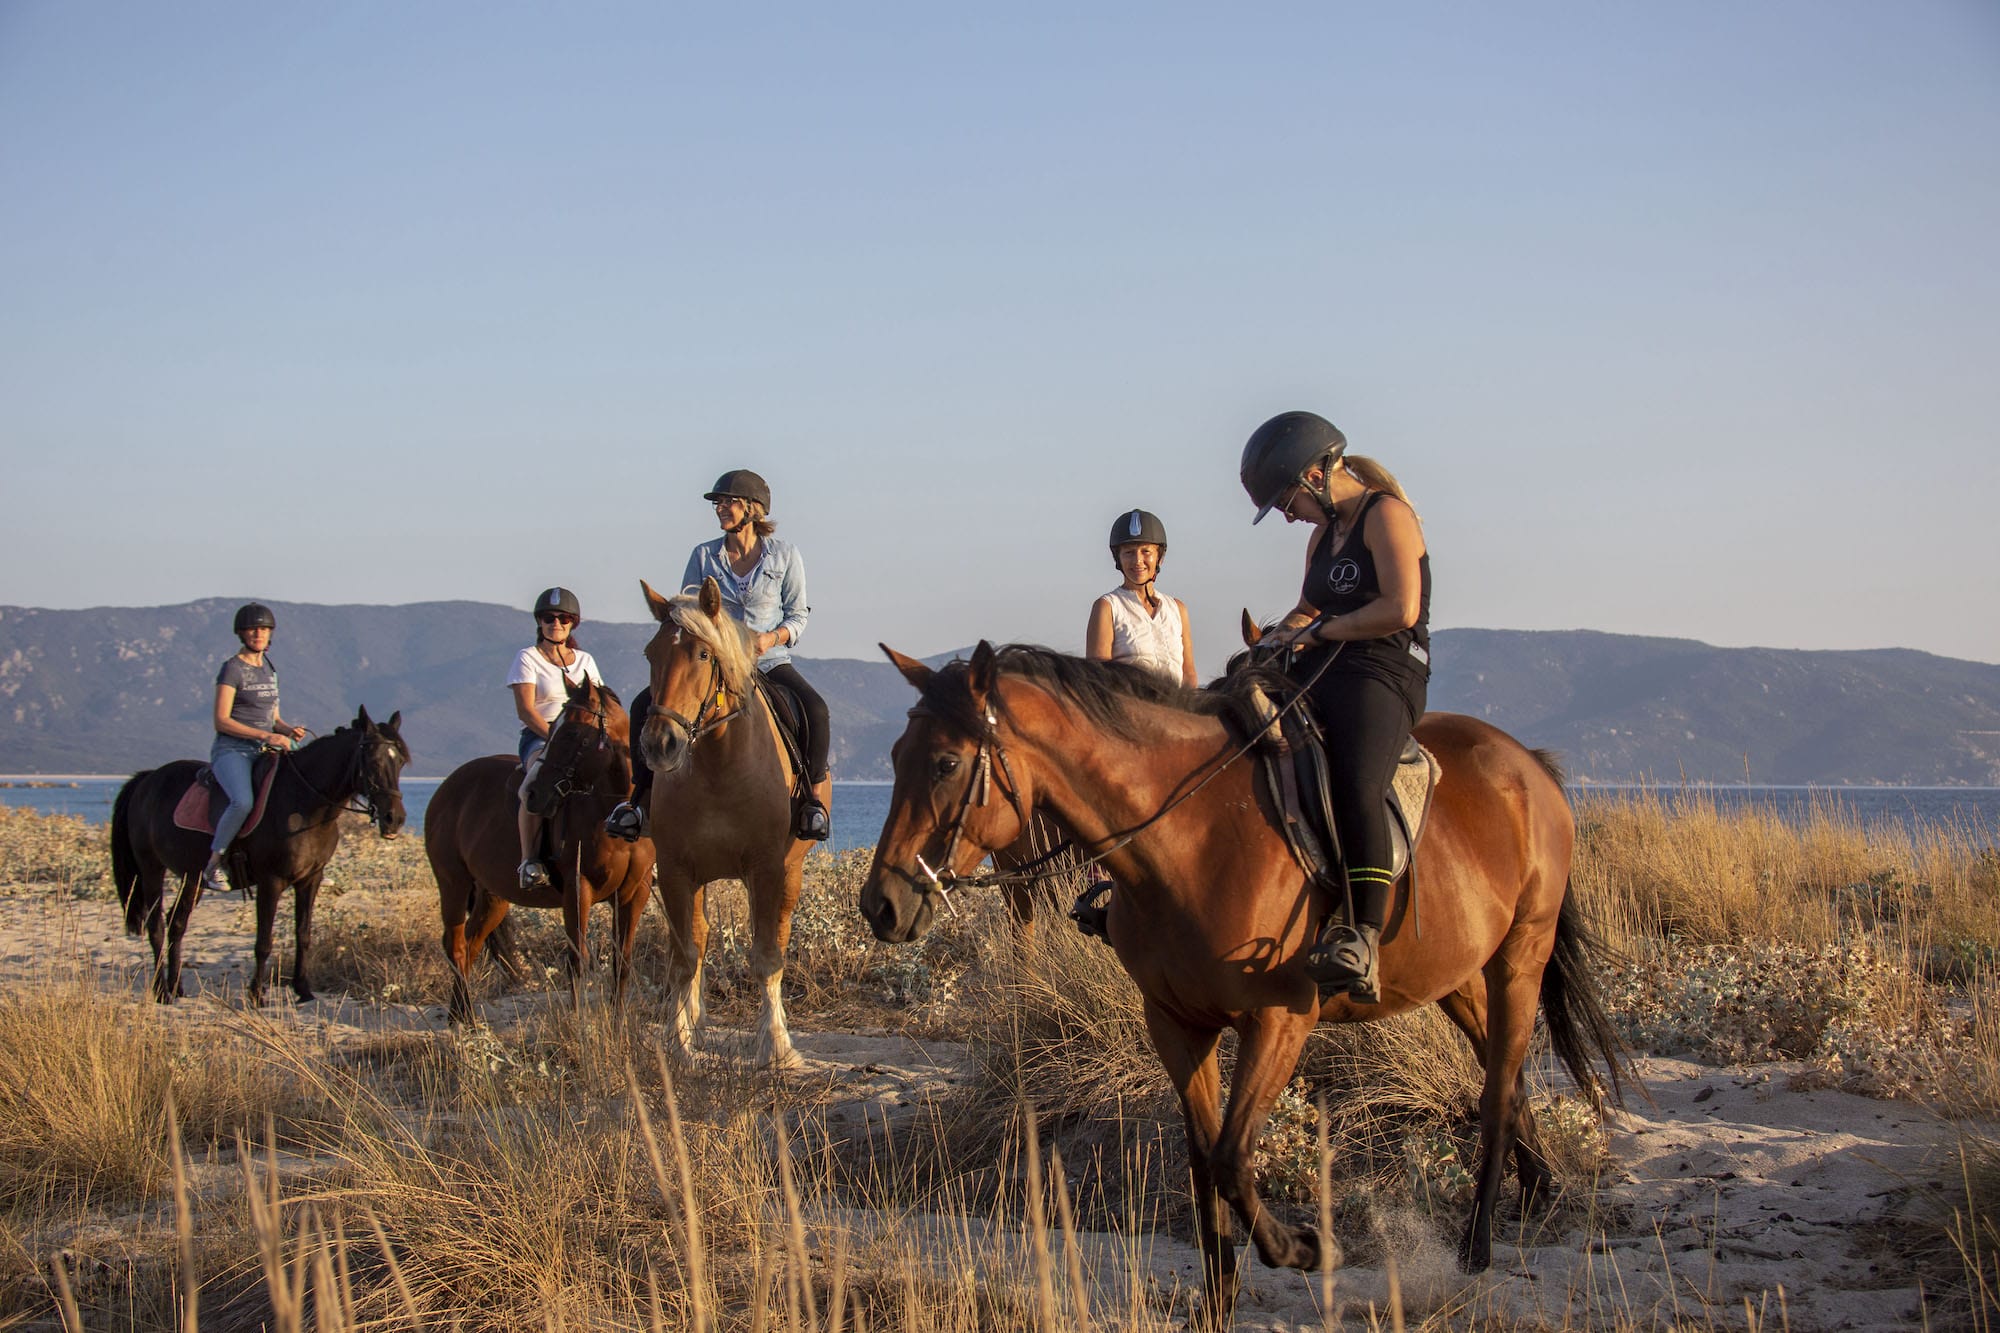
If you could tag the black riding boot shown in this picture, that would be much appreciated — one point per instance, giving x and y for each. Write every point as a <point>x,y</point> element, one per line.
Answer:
<point>629,819</point>
<point>1343,959</point>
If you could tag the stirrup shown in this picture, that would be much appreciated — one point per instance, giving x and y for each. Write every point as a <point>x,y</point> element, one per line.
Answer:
<point>626,821</point>
<point>1091,912</point>
<point>534,875</point>
<point>1342,961</point>
<point>811,824</point>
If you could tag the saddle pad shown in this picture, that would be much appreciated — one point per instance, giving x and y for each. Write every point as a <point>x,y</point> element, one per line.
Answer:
<point>203,802</point>
<point>1416,780</point>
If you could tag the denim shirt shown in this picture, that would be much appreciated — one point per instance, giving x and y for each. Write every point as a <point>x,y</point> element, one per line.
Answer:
<point>773,596</point>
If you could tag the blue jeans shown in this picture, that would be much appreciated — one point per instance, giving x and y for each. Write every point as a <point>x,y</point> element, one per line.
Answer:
<point>231,757</point>
<point>530,745</point>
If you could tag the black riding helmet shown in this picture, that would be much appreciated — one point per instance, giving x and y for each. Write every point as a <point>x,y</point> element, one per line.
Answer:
<point>1281,451</point>
<point>741,484</point>
<point>1136,525</point>
<point>558,599</point>
<point>253,615</point>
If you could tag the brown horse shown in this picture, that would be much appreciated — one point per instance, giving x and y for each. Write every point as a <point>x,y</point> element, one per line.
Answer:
<point>1211,916</point>
<point>471,838</point>
<point>289,848</point>
<point>722,803</point>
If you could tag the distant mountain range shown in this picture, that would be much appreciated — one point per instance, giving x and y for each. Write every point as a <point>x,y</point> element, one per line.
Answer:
<point>115,689</point>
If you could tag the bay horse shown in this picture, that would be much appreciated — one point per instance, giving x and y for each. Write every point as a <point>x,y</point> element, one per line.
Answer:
<point>474,844</point>
<point>289,848</point>
<point>721,803</point>
<point>1211,916</point>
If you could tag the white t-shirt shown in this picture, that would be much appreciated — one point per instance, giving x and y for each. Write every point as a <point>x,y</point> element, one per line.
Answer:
<point>551,688</point>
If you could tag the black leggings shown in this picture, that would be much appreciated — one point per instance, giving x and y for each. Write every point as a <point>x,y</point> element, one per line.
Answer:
<point>1367,719</point>
<point>785,674</point>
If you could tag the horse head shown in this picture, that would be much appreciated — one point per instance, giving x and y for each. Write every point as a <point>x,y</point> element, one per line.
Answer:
<point>700,660</point>
<point>942,817</point>
<point>378,769</point>
<point>587,741</point>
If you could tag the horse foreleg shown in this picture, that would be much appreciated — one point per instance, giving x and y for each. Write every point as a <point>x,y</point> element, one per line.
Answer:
<point>576,926</point>
<point>267,929</point>
<point>1466,1007</point>
<point>305,893</point>
<point>1267,1052</point>
<point>687,925</point>
<point>626,911</point>
<point>1512,990</point>
<point>773,897</point>
<point>1189,1056</point>
<point>167,970</point>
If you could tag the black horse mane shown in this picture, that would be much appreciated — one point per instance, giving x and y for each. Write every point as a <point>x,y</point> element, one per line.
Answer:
<point>1102,692</point>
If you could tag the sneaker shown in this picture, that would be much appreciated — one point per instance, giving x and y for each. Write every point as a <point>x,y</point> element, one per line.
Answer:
<point>212,880</point>
<point>626,821</point>
<point>1342,962</point>
<point>812,823</point>
<point>534,875</point>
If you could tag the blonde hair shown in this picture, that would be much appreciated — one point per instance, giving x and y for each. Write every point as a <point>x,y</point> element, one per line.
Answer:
<point>1377,478</point>
<point>728,639</point>
<point>759,523</point>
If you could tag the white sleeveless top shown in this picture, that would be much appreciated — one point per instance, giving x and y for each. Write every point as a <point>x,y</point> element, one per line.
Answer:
<point>1150,640</point>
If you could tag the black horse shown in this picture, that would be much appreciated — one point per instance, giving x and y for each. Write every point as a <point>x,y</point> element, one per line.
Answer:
<point>289,847</point>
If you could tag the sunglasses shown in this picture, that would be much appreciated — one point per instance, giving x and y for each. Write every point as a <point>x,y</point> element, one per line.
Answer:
<point>555,618</point>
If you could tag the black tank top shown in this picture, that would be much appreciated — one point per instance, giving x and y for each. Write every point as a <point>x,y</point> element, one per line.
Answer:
<point>1341,581</point>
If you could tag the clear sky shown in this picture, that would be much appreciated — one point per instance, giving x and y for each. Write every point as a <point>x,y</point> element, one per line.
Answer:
<point>1674,319</point>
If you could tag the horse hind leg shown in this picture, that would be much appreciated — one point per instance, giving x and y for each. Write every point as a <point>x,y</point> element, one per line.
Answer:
<point>772,899</point>
<point>1512,994</point>
<point>167,985</point>
<point>687,929</point>
<point>1189,1056</point>
<point>1466,1007</point>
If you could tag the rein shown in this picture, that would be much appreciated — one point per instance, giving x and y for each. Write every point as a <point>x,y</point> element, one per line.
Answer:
<point>564,785</point>
<point>1031,872</point>
<point>353,781</point>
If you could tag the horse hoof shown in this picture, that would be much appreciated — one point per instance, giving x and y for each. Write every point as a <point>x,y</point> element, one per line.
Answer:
<point>305,994</point>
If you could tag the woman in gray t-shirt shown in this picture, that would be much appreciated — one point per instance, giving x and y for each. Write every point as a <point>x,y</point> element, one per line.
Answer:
<point>246,720</point>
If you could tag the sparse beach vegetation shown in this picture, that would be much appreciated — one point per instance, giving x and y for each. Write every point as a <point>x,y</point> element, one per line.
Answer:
<point>548,1169</point>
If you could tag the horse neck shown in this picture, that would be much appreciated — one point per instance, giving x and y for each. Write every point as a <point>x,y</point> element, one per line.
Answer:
<point>327,764</point>
<point>1098,782</point>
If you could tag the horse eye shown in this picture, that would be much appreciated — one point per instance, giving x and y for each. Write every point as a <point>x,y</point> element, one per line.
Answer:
<point>947,764</point>
<point>704,654</point>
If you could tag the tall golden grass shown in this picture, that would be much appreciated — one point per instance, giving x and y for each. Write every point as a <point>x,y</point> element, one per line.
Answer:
<point>203,1165</point>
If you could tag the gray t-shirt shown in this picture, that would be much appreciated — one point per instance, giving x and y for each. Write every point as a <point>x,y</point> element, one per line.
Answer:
<point>256,692</point>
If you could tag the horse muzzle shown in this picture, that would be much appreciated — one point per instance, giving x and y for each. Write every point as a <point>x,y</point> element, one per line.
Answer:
<point>664,744</point>
<point>389,823</point>
<point>893,906</point>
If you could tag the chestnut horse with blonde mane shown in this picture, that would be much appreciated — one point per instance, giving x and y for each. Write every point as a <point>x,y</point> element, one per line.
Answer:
<point>474,844</point>
<point>721,804</point>
<point>1211,916</point>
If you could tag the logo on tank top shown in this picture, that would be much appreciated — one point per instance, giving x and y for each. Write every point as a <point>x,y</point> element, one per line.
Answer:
<point>1344,577</point>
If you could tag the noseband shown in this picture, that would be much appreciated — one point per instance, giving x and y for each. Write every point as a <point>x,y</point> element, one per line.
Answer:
<point>565,785</point>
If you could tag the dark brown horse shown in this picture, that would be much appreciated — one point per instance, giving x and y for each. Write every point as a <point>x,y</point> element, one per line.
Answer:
<point>474,845</point>
<point>289,848</point>
<point>1211,916</point>
<point>722,803</point>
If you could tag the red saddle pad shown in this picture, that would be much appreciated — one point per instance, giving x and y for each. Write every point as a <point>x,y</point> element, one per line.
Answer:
<point>203,802</point>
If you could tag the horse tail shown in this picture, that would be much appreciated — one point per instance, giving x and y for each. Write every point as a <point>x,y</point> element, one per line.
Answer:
<point>1551,763</point>
<point>125,874</point>
<point>1578,1026</point>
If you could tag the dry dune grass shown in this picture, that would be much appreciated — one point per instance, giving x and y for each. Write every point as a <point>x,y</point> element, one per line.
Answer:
<point>554,1172</point>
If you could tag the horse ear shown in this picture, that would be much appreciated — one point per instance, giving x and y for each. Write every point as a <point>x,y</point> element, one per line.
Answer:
<point>1252,632</point>
<point>654,602</point>
<point>913,671</point>
<point>361,718</point>
<point>395,722</point>
<point>711,598</point>
<point>980,673</point>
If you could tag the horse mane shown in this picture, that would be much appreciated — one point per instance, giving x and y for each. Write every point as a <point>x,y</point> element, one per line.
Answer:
<point>1102,693</point>
<point>729,641</point>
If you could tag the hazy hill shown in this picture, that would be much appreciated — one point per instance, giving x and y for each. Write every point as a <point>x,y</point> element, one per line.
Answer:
<point>113,689</point>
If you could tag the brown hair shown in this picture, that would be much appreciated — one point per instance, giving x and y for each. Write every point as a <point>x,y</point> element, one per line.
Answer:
<point>1377,478</point>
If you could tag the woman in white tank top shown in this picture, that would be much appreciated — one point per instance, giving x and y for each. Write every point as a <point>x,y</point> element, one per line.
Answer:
<point>1134,622</point>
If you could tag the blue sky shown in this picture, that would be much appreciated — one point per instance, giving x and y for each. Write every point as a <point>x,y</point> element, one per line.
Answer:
<point>1673,319</point>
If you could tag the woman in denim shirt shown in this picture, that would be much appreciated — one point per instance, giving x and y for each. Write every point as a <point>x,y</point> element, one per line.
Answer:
<point>246,721</point>
<point>763,583</point>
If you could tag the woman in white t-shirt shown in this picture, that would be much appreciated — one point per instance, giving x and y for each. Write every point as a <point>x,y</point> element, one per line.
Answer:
<point>1134,622</point>
<point>540,680</point>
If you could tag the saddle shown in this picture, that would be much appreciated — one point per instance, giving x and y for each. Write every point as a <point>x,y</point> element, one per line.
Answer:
<point>793,728</point>
<point>204,800</point>
<point>1295,770</point>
